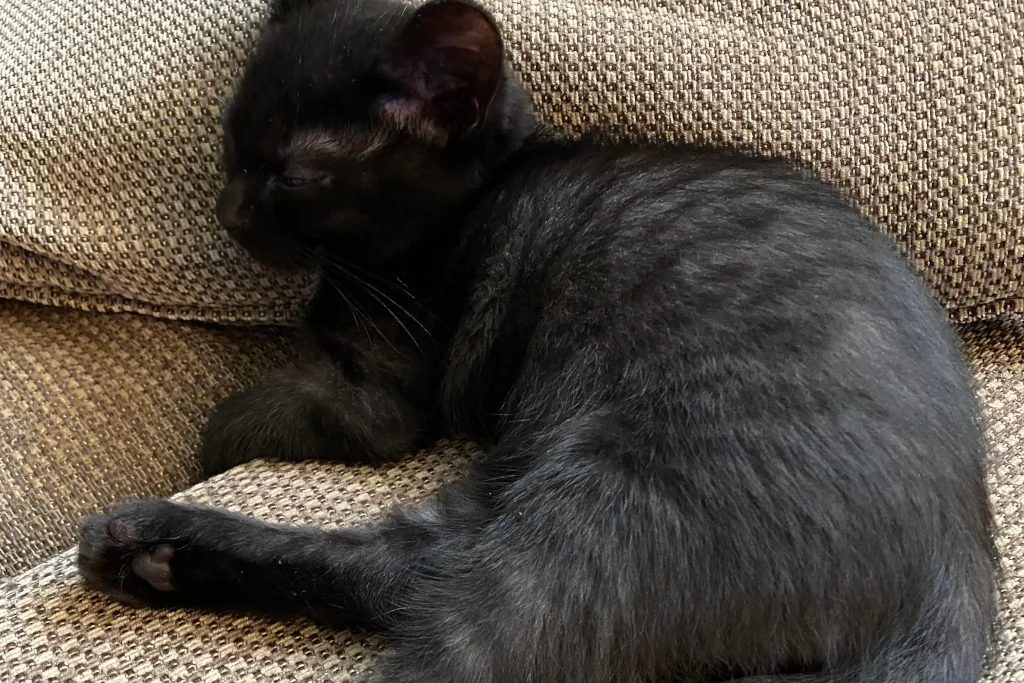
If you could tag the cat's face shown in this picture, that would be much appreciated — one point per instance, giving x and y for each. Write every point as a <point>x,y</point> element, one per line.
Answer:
<point>359,125</point>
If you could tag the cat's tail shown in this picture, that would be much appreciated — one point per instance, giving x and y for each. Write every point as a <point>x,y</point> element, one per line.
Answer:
<point>898,666</point>
<point>947,644</point>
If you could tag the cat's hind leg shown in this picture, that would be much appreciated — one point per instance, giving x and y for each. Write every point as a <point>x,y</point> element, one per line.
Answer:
<point>565,584</point>
<point>598,568</point>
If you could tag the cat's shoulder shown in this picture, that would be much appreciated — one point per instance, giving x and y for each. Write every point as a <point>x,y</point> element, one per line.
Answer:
<point>594,154</point>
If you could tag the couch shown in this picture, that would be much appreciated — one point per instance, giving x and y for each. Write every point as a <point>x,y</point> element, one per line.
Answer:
<point>125,313</point>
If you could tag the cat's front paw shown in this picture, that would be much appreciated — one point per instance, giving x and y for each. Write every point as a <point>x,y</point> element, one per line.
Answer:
<point>261,422</point>
<point>129,552</point>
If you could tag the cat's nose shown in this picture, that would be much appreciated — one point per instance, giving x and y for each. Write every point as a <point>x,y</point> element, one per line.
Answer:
<point>231,209</point>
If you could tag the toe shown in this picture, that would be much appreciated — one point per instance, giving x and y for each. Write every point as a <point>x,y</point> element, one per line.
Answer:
<point>155,567</point>
<point>120,532</point>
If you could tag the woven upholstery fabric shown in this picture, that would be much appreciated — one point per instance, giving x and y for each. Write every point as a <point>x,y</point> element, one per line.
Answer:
<point>997,349</point>
<point>914,107</point>
<point>109,129</point>
<point>95,408</point>
<point>109,134</point>
<point>52,630</point>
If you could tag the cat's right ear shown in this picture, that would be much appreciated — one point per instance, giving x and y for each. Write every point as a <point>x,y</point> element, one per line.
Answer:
<point>443,71</point>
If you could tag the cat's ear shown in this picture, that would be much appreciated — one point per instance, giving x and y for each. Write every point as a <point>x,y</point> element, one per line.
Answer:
<point>443,71</point>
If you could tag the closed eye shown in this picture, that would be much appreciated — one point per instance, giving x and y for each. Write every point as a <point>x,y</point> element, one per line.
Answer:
<point>300,180</point>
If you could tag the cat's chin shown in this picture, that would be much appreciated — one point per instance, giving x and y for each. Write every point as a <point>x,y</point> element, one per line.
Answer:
<point>278,256</point>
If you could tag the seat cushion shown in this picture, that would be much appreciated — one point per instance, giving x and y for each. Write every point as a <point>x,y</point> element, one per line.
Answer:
<point>95,408</point>
<point>109,129</point>
<point>53,630</point>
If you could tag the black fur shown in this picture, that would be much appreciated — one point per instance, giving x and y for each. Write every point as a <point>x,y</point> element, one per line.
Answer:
<point>730,432</point>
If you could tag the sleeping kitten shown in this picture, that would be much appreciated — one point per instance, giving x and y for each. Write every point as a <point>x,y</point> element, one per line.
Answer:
<point>731,435</point>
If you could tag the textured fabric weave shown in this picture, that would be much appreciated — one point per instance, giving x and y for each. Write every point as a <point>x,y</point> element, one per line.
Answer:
<point>997,349</point>
<point>109,129</point>
<point>52,630</point>
<point>95,408</point>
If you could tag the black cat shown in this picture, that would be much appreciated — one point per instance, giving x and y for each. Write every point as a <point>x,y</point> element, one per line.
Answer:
<point>731,435</point>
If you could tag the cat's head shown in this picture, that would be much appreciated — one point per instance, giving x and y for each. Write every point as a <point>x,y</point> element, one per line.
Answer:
<point>360,125</point>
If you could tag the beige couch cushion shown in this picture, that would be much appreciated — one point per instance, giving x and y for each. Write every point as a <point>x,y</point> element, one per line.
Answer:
<point>52,630</point>
<point>109,129</point>
<point>95,408</point>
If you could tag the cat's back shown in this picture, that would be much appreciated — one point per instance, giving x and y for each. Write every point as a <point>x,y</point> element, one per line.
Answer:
<point>732,315</point>
<point>739,278</point>
<point>694,237</point>
<point>703,217</point>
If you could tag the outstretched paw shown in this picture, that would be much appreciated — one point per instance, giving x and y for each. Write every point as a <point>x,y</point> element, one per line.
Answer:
<point>129,553</point>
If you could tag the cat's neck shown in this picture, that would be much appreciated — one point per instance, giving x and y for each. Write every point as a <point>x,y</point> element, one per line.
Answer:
<point>432,274</point>
<point>413,286</point>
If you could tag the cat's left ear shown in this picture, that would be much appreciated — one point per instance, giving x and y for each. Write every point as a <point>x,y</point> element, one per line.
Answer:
<point>443,72</point>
